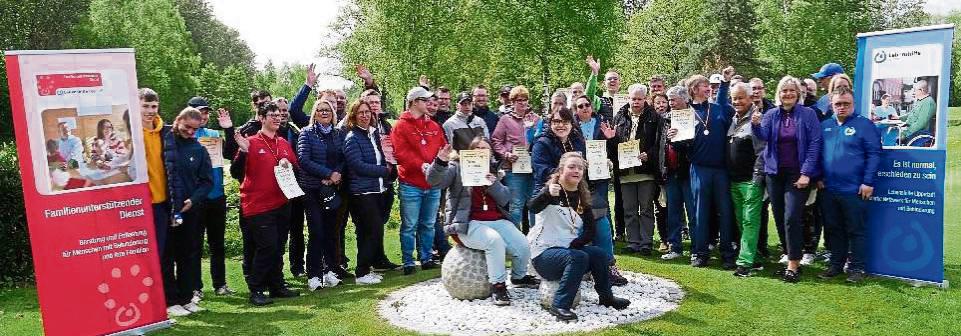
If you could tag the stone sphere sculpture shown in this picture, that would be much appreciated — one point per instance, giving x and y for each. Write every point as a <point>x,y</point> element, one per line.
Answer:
<point>464,274</point>
<point>547,290</point>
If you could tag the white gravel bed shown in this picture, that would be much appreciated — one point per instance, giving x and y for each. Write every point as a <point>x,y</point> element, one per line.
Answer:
<point>427,308</point>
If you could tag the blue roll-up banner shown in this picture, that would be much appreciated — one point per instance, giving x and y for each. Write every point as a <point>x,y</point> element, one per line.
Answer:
<point>903,79</point>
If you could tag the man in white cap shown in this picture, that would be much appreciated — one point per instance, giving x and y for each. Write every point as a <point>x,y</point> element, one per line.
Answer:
<point>715,81</point>
<point>420,138</point>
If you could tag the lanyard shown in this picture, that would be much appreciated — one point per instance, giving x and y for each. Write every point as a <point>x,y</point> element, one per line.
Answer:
<point>706,121</point>
<point>273,150</point>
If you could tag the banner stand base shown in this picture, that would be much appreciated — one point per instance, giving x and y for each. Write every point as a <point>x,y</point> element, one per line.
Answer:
<point>915,282</point>
<point>140,331</point>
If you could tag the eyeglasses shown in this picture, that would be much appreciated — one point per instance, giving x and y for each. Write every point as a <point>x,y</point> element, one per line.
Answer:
<point>521,100</point>
<point>612,78</point>
<point>323,110</point>
<point>275,115</point>
<point>580,106</point>
<point>420,99</point>
<point>559,122</point>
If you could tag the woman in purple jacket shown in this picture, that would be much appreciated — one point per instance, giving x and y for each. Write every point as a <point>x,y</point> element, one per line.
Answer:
<point>793,138</point>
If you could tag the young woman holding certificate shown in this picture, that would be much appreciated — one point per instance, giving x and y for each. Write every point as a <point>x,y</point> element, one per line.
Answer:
<point>477,218</point>
<point>510,144</point>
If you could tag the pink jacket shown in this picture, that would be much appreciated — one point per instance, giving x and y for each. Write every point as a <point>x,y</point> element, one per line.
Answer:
<point>511,132</point>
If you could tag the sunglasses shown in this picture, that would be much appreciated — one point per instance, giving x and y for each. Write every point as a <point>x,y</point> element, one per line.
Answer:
<point>580,106</point>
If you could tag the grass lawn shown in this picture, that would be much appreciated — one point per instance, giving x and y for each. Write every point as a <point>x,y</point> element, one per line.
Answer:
<point>716,303</point>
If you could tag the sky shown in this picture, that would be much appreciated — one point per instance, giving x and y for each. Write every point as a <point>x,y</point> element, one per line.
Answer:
<point>293,31</point>
<point>284,31</point>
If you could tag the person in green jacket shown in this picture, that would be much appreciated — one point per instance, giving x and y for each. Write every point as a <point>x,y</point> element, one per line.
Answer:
<point>922,113</point>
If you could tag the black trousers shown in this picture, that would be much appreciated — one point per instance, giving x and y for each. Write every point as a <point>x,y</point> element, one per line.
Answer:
<point>660,214</point>
<point>213,223</point>
<point>297,241</point>
<point>620,229</point>
<point>180,263</point>
<point>321,242</point>
<point>337,232</point>
<point>264,232</point>
<point>369,227</point>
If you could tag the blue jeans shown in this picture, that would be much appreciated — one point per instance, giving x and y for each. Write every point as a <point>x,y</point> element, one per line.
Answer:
<point>787,206</point>
<point>418,213</point>
<point>604,234</point>
<point>712,201</point>
<point>844,223</point>
<point>521,186</point>
<point>495,238</point>
<point>679,200</point>
<point>568,267</point>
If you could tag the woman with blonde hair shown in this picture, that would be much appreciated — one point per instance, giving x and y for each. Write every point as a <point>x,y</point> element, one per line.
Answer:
<point>320,150</point>
<point>791,160</point>
<point>563,228</point>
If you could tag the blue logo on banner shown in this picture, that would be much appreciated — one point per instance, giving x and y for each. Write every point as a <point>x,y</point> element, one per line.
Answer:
<point>880,57</point>
<point>907,251</point>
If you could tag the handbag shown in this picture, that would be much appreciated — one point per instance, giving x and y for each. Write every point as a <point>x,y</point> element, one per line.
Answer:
<point>329,197</point>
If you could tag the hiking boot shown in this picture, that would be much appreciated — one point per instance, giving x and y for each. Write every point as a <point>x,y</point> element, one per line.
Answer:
<point>616,278</point>
<point>259,299</point>
<point>614,302</point>
<point>500,295</point>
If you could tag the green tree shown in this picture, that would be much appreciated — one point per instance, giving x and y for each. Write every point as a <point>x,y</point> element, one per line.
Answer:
<point>729,41</point>
<point>166,61</point>
<point>33,24</point>
<point>227,88</point>
<point>661,39</point>
<point>216,42</point>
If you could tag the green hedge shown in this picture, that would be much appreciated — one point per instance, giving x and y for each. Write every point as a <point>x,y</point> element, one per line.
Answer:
<point>16,263</point>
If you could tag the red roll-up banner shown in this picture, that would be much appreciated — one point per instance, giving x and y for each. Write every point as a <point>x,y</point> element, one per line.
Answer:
<point>80,146</point>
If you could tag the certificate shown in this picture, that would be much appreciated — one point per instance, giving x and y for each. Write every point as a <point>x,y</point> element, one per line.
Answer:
<point>628,154</point>
<point>387,148</point>
<point>215,149</point>
<point>597,168</point>
<point>284,172</point>
<point>474,167</point>
<point>523,163</point>
<point>683,121</point>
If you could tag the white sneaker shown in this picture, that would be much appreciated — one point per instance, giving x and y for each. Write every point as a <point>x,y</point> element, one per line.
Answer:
<point>369,279</point>
<point>671,256</point>
<point>807,259</point>
<point>177,310</point>
<point>314,283</point>
<point>378,275</point>
<point>331,280</point>
<point>224,291</point>
<point>193,307</point>
<point>783,259</point>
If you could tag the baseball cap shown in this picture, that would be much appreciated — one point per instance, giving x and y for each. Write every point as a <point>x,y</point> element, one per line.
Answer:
<point>418,92</point>
<point>461,97</point>
<point>716,79</point>
<point>506,90</point>
<point>199,103</point>
<point>828,70</point>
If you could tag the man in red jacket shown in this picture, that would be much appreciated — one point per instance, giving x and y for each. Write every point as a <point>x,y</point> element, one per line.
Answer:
<point>265,209</point>
<point>419,139</point>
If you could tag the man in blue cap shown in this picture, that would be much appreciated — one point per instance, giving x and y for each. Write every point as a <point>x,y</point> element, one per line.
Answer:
<point>823,77</point>
<point>851,153</point>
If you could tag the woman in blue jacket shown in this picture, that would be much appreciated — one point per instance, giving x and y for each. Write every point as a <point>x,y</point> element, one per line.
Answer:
<point>320,150</point>
<point>791,160</point>
<point>367,180</point>
<point>559,138</point>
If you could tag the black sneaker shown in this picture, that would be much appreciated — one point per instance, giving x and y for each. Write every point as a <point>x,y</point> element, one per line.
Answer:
<point>284,293</point>
<point>500,295</point>
<point>699,262</point>
<point>341,272</point>
<point>632,249</point>
<point>436,258</point>
<point>646,251</point>
<point>757,266</point>
<point>614,302</point>
<point>385,266</point>
<point>408,270</point>
<point>562,314</point>
<point>728,265</point>
<point>430,264</point>
<point>616,278</point>
<point>742,271</point>
<point>855,277</point>
<point>831,272</point>
<point>790,276</point>
<point>259,299</point>
<point>528,281</point>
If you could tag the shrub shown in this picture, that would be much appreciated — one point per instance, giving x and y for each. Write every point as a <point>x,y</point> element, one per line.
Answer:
<point>16,262</point>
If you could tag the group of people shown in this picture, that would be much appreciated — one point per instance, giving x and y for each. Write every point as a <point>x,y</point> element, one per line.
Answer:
<point>746,154</point>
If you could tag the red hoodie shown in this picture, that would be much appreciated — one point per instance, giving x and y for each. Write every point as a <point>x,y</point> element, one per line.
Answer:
<point>416,142</point>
